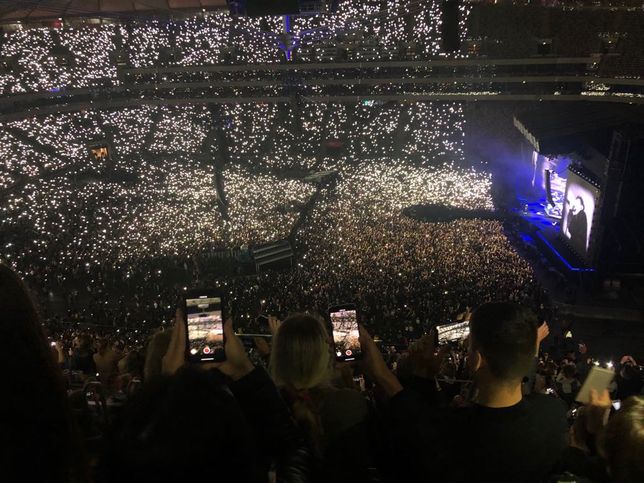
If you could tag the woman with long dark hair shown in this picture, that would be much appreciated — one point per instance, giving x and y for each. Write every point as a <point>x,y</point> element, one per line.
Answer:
<point>37,432</point>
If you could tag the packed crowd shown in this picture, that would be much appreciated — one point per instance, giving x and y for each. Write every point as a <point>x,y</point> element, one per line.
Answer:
<point>115,242</point>
<point>116,350</point>
<point>108,247</point>
<point>262,207</point>
<point>76,56</point>
<point>156,193</point>
<point>284,410</point>
<point>54,59</point>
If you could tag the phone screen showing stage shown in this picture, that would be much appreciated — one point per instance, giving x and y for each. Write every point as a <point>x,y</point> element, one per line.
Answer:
<point>345,334</point>
<point>453,332</point>
<point>205,328</point>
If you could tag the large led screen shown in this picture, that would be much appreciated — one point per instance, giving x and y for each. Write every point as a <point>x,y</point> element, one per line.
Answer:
<point>578,213</point>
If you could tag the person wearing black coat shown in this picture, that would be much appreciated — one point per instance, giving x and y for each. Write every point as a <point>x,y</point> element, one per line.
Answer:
<point>503,435</point>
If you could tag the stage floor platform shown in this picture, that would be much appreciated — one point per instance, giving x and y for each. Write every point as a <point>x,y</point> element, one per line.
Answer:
<point>543,231</point>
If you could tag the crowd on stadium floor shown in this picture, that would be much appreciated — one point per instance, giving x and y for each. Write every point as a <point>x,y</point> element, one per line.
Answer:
<point>98,252</point>
<point>336,422</point>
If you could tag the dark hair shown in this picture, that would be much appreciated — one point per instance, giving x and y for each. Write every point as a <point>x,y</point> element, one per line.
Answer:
<point>103,344</point>
<point>582,202</point>
<point>506,336</point>
<point>623,442</point>
<point>569,370</point>
<point>178,428</point>
<point>134,363</point>
<point>38,426</point>
<point>580,433</point>
<point>84,344</point>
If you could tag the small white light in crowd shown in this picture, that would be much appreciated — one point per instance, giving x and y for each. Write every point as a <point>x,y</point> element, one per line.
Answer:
<point>609,364</point>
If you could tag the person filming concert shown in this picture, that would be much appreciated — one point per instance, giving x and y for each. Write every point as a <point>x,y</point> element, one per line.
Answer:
<point>503,435</point>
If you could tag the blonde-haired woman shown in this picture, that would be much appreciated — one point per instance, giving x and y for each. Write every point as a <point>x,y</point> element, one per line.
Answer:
<point>335,419</point>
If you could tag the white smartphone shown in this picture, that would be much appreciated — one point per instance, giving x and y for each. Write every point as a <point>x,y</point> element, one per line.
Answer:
<point>598,379</point>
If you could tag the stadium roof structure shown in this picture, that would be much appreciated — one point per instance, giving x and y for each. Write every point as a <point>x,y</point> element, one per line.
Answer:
<point>558,129</point>
<point>44,10</point>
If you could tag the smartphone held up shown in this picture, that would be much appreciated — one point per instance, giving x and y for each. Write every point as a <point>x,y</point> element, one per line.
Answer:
<point>598,379</point>
<point>204,318</point>
<point>452,332</point>
<point>344,324</point>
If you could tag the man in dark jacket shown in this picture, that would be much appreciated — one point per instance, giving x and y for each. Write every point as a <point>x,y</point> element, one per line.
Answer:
<point>503,436</point>
<point>578,224</point>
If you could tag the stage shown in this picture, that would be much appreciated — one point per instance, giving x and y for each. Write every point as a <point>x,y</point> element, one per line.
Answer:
<point>543,231</point>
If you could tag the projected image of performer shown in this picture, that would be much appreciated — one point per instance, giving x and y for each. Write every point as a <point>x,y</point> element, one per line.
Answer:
<point>577,226</point>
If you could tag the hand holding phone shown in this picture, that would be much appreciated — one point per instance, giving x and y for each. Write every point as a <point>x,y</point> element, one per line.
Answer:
<point>204,316</point>
<point>346,336</point>
<point>597,410</point>
<point>175,356</point>
<point>423,359</point>
<point>452,332</point>
<point>598,379</point>
<point>273,324</point>
<point>236,364</point>
<point>374,365</point>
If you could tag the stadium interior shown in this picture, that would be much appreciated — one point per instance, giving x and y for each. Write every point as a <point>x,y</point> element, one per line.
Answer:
<point>414,159</point>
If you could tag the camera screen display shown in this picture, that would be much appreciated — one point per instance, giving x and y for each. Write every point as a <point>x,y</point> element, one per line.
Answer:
<point>453,332</point>
<point>205,328</point>
<point>345,334</point>
<point>579,212</point>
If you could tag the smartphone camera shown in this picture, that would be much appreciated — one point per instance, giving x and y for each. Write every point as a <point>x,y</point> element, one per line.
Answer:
<point>205,327</point>
<point>344,323</point>
<point>452,332</point>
